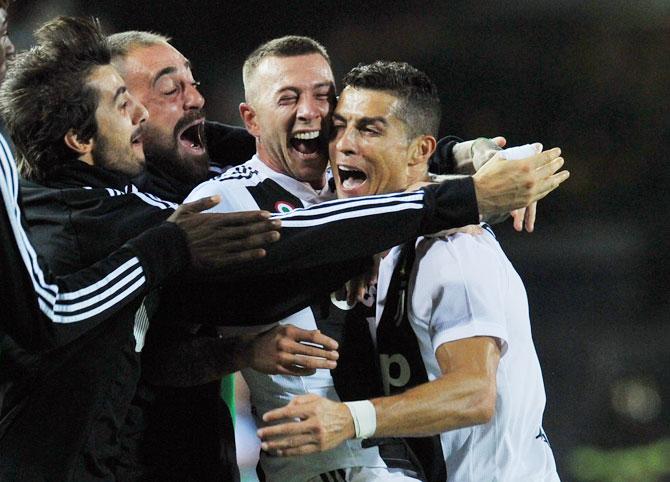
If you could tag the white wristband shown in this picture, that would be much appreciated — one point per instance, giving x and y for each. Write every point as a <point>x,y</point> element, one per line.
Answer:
<point>365,418</point>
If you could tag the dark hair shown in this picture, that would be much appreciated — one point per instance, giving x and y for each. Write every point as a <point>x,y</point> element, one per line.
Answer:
<point>419,108</point>
<point>288,46</point>
<point>4,4</point>
<point>46,92</point>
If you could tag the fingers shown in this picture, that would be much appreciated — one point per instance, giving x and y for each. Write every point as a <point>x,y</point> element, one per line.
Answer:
<point>283,430</point>
<point>530,217</point>
<point>218,260</point>
<point>518,216</point>
<point>551,183</point>
<point>312,336</point>
<point>201,204</point>
<point>293,410</point>
<point>500,141</point>
<point>546,157</point>
<point>240,218</point>
<point>291,445</point>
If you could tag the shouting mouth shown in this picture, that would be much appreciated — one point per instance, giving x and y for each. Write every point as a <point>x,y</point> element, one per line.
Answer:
<point>191,137</point>
<point>351,179</point>
<point>306,144</point>
<point>136,139</point>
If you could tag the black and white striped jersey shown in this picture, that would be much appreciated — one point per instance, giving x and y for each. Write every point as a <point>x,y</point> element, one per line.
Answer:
<point>334,236</point>
<point>322,233</point>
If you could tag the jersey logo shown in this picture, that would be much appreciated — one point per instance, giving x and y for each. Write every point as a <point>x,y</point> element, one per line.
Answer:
<point>283,207</point>
<point>396,371</point>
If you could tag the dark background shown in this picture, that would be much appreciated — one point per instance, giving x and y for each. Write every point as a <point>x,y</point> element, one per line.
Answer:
<point>590,77</point>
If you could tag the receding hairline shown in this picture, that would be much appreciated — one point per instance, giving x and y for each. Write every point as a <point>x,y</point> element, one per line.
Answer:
<point>122,43</point>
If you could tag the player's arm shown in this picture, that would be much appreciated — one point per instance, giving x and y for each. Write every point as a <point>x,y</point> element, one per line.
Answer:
<point>47,310</point>
<point>173,357</point>
<point>341,230</point>
<point>42,306</point>
<point>464,395</point>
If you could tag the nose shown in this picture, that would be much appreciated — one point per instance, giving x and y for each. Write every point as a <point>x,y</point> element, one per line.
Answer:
<point>192,98</point>
<point>139,113</point>
<point>346,141</point>
<point>308,109</point>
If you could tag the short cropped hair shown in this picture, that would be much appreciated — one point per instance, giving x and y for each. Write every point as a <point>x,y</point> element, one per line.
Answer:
<point>419,106</point>
<point>122,43</point>
<point>46,93</point>
<point>288,46</point>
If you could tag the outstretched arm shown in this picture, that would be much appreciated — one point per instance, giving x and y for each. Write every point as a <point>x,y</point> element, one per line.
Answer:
<point>464,395</point>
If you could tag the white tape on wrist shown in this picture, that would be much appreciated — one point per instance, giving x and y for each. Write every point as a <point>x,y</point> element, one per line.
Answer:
<point>365,418</point>
<point>521,152</point>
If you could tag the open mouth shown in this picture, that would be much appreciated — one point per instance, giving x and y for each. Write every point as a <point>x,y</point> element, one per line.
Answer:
<point>192,137</point>
<point>306,143</point>
<point>351,178</point>
<point>136,138</point>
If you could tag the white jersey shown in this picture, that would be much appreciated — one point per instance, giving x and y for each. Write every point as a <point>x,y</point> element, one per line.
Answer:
<point>245,188</point>
<point>464,286</point>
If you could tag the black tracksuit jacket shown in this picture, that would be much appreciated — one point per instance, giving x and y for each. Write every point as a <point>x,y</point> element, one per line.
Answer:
<point>77,411</point>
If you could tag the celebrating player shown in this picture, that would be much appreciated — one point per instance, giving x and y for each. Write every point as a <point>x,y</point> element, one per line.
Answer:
<point>452,328</point>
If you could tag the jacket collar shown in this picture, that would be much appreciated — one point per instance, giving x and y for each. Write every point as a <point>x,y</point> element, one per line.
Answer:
<point>80,174</point>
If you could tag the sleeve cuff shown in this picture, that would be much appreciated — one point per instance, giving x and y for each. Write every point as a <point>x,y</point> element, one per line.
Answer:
<point>471,330</point>
<point>451,204</point>
<point>162,251</point>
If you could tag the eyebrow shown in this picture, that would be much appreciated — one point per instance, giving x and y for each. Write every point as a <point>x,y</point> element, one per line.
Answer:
<point>297,90</point>
<point>168,71</point>
<point>119,91</point>
<point>363,120</point>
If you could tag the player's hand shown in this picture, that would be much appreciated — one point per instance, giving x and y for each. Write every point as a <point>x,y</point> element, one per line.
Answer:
<point>470,156</point>
<point>217,240</point>
<point>483,150</point>
<point>322,425</point>
<point>283,351</point>
<point>505,185</point>
<point>525,217</point>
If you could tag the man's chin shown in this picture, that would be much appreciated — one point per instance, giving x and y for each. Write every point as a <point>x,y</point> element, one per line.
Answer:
<point>192,168</point>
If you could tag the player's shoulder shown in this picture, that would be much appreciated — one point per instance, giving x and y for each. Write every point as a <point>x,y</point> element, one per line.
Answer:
<point>463,243</point>
<point>460,254</point>
<point>228,184</point>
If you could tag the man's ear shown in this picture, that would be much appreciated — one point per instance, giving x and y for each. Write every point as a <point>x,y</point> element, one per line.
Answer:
<point>248,115</point>
<point>82,148</point>
<point>421,149</point>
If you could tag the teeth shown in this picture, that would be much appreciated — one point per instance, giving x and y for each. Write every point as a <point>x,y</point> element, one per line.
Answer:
<point>344,168</point>
<point>305,136</point>
<point>352,183</point>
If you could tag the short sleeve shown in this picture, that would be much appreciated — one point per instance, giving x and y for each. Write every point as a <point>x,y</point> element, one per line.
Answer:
<point>459,289</point>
